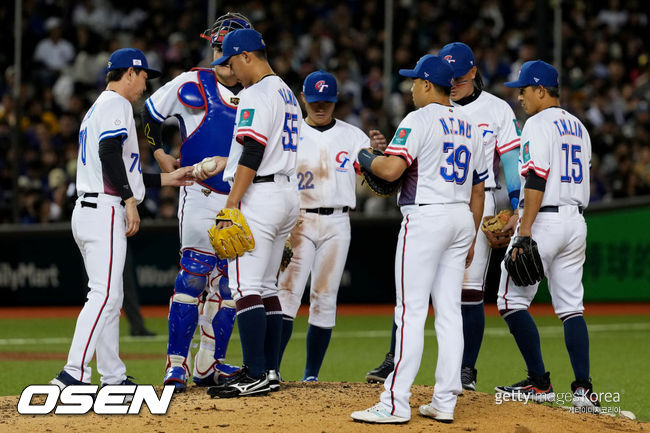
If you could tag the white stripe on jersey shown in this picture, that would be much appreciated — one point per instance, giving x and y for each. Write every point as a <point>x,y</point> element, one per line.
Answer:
<point>110,116</point>
<point>444,153</point>
<point>497,124</point>
<point>557,147</point>
<point>269,113</point>
<point>326,175</point>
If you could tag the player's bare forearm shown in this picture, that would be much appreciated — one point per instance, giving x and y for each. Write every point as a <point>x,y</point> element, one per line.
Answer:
<point>389,168</point>
<point>166,162</point>
<point>243,178</point>
<point>476,203</point>
<point>132,217</point>
<point>532,202</point>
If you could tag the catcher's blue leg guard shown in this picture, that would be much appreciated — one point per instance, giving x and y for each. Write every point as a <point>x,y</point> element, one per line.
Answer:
<point>224,320</point>
<point>183,313</point>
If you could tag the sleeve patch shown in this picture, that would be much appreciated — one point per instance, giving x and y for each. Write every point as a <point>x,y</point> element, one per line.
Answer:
<point>246,117</point>
<point>526,152</point>
<point>401,135</point>
<point>517,127</point>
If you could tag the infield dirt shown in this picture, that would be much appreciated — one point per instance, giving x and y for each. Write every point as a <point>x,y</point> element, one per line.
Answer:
<point>317,407</point>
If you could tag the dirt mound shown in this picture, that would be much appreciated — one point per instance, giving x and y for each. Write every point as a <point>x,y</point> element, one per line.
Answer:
<point>317,407</point>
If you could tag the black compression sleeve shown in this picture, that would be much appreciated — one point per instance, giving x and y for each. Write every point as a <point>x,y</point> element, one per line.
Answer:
<point>152,130</point>
<point>252,155</point>
<point>151,179</point>
<point>110,154</point>
<point>535,182</point>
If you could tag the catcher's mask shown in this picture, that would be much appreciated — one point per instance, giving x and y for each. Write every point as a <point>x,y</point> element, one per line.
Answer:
<point>224,25</point>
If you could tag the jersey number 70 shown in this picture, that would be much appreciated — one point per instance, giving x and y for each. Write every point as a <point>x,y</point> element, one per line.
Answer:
<point>290,133</point>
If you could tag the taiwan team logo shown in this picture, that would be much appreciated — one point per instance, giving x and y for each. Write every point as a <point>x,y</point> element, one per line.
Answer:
<point>246,117</point>
<point>320,86</point>
<point>526,152</point>
<point>401,136</point>
<point>449,59</point>
<point>342,159</point>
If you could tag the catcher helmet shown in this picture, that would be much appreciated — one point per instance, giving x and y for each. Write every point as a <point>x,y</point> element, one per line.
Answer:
<point>224,25</point>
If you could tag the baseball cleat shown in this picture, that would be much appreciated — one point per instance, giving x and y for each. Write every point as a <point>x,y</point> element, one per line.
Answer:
<point>310,379</point>
<point>64,379</point>
<point>533,388</point>
<point>377,415</point>
<point>429,411</point>
<point>468,378</point>
<point>176,376</point>
<point>379,374</point>
<point>241,385</point>
<point>274,380</point>
<point>584,397</point>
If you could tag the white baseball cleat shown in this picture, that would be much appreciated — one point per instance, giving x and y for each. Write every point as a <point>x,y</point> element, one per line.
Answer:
<point>377,415</point>
<point>429,411</point>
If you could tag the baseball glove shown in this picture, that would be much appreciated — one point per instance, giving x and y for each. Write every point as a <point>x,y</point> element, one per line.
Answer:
<point>527,267</point>
<point>287,254</point>
<point>232,241</point>
<point>378,185</point>
<point>493,226</point>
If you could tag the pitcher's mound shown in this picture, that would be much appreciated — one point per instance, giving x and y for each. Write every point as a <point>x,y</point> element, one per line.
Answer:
<point>317,407</point>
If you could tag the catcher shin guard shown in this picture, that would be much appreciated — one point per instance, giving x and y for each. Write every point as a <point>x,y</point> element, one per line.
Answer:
<point>183,311</point>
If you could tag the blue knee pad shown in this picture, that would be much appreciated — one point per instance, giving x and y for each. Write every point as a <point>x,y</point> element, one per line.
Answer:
<point>183,311</point>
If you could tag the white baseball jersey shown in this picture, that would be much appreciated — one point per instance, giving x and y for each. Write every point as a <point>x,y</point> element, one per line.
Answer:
<point>326,175</point>
<point>557,147</point>
<point>263,106</point>
<point>161,105</point>
<point>498,127</point>
<point>110,116</point>
<point>444,138</point>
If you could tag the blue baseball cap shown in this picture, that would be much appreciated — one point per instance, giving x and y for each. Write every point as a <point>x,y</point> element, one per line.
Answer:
<point>431,68</point>
<point>459,56</point>
<point>536,73</point>
<point>239,41</point>
<point>130,58</point>
<point>320,86</point>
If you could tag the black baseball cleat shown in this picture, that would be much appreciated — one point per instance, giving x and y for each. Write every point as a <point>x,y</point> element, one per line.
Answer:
<point>379,374</point>
<point>584,397</point>
<point>241,385</point>
<point>533,388</point>
<point>468,378</point>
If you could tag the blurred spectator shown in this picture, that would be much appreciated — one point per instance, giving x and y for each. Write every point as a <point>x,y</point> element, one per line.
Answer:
<point>605,75</point>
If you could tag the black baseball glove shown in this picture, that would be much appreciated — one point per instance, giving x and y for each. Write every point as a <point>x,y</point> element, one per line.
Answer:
<point>378,185</point>
<point>527,268</point>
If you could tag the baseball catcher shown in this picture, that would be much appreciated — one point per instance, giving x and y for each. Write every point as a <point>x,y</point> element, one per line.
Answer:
<point>234,240</point>
<point>523,263</point>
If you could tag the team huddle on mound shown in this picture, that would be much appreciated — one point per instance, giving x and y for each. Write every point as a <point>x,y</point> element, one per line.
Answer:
<point>259,184</point>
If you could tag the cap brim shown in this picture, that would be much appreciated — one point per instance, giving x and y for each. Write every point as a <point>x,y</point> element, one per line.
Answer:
<point>152,73</point>
<point>220,61</point>
<point>318,98</point>
<point>408,73</point>
<point>516,83</point>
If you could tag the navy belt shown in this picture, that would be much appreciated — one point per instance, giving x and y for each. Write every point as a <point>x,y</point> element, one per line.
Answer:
<point>555,209</point>
<point>326,210</point>
<point>267,178</point>
<point>93,195</point>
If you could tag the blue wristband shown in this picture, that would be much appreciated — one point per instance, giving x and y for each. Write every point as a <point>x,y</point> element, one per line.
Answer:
<point>365,158</point>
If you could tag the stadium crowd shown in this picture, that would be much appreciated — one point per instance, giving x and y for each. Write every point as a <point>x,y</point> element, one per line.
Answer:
<point>65,46</point>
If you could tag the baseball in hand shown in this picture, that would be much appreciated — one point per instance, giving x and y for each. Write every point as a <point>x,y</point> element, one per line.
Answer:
<point>209,166</point>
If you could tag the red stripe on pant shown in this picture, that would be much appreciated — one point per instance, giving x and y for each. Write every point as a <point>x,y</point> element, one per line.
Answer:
<point>401,336</point>
<point>108,289</point>
<point>506,292</point>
